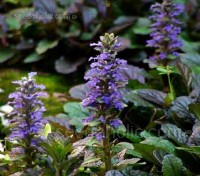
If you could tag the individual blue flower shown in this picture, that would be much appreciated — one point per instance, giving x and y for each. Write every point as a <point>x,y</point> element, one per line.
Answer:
<point>165,29</point>
<point>115,123</point>
<point>27,121</point>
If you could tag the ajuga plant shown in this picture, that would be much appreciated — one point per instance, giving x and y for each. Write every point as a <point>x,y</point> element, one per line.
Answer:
<point>165,30</point>
<point>58,148</point>
<point>103,97</point>
<point>27,120</point>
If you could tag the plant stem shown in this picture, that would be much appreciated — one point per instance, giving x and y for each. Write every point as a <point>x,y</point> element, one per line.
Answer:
<point>170,84</point>
<point>106,145</point>
<point>57,171</point>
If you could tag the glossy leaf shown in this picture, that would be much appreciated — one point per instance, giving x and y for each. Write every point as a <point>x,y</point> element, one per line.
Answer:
<point>33,57</point>
<point>160,144</point>
<point>132,96</point>
<point>48,6</point>
<point>134,73</point>
<point>172,166</point>
<point>78,91</point>
<point>114,173</point>
<point>89,14</point>
<point>195,109</point>
<point>152,96</point>
<point>45,45</point>
<point>129,149</point>
<point>146,151</point>
<point>181,109</point>
<point>142,26</point>
<point>74,109</point>
<point>186,74</point>
<point>65,67</point>
<point>6,54</point>
<point>174,133</point>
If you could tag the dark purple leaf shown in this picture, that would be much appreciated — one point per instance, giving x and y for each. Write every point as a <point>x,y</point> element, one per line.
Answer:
<point>65,67</point>
<point>43,6</point>
<point>76,6</point>
<point>88,15</point>
<point>119,28</point>
<point>180,106</point>
<point>125,43</point>
<point>113,173</point>
<point>124,20</point>
<point>186,73</point>
<point>23,45</point>
<point>78,91</point>
<point>3,23</point>
<point>134,73</point>
<point>100,4</point>
<point>153,96</point>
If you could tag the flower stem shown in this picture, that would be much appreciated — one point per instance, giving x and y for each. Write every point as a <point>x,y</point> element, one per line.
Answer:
<point>106,145</point>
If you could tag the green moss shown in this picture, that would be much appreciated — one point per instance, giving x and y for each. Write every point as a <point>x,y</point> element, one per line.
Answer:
<point>53,83</point>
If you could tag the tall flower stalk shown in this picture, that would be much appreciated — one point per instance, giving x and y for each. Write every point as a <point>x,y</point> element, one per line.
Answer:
<point>27,115</point>
<point>103,97</point>
<point>165,30</point>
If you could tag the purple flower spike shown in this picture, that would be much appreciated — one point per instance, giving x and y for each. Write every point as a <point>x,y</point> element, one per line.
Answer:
<point>104,78</point>
<point>28,110</point>
<point>165,29</point>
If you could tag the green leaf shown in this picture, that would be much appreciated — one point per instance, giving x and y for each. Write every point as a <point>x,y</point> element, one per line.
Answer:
<point>142,26</point>
<point>128,135</point>
<point>174,133</point>
<point>172,166</point>
<point>126,162</point>
<point>14,17</point>
<point>76,114</point>
<point>147,152</point>
<point>11,1</point>
<point>160,143</point>
<point>190,158</point>
<point>13,23</point>
<point>33,57</point>
<point>192,149</point>
<point>47,129</point>
<point>195,109</point>
<point>190,47</point>
<point>74,109</point>
<point>180,1</point>
<point>129,149</point>
<point>45,45</point>
<point>6,54</point>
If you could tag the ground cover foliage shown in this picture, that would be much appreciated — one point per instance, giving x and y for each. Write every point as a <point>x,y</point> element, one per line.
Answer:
<point>133,116</point>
